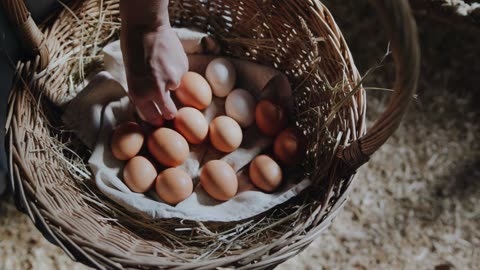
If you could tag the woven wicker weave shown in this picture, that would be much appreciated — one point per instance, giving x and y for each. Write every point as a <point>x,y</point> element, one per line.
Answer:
<point>298,37</point>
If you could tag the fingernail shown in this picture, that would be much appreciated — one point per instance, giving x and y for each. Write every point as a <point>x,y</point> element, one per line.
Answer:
<point>169,115</point>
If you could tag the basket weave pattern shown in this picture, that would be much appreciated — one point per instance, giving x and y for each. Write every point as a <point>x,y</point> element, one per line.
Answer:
<point>300,38</point>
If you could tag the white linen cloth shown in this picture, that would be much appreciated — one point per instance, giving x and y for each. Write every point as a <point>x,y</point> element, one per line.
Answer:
<point>103,104</point>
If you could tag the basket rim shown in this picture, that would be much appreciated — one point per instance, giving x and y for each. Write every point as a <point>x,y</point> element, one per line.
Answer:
<point>348,161</point>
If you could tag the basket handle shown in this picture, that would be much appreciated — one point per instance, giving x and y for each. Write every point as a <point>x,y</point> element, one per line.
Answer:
<point>401,30</point>
<point>30,36</point>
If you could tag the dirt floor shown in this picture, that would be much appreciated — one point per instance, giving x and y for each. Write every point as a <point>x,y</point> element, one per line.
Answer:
<point>414,206</point>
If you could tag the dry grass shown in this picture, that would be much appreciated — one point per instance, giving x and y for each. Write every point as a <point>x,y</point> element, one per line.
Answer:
<point>412,206</point>
<point>209,240</point>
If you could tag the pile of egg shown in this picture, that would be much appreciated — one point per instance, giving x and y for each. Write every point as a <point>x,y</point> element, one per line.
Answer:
<point>170,146</point>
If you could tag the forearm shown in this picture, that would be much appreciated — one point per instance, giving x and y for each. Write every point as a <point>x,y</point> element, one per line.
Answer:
<point>153,55</point>
<point>144,14</point>
<point>139,18</point>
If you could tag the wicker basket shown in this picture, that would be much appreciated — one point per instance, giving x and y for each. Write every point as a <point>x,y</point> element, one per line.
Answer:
<point>298,37</point>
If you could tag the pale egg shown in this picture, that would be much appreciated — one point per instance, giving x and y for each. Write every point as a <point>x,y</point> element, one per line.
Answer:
<point>191,123</point>
<point>219,180</point>
<point>194,91</point>
<point>265,173</point>
<point>225,134</point>
<point>127,141</point>
<point>139,174</point>
<point>221,75</point>
<point>173,185</point>
<point>270,118</point>
<point>289,147</point>
<point>240,105</point>
<point>168,147</point>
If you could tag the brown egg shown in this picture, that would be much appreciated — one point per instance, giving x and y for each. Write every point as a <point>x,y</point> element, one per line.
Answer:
<point>194,91</point>
<point>271,118</point>
<point>168,147</point>
<point>127,140</point>
<point>219,180</point>
<point>173,185</point>
<point>191,123</point>
<point>139,174</point>
<point>225,134</point>
<point>289,147</point>
<point>265,173</point>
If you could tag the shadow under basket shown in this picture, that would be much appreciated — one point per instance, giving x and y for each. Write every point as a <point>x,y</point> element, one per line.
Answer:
<point>298,37</point>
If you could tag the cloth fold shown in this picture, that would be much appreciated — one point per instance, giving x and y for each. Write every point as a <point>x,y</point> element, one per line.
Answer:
<point>103,104</point>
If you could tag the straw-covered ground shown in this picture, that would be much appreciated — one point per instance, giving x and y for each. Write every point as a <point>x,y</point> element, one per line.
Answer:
<point>414,206</point>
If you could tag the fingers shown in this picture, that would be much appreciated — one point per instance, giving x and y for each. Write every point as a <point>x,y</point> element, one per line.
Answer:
<point>151,93</point>
<point>163,99</point>
<point>173,85</point>
<point>153,103</point>
<point>173,81</point>
<point>176,75</point>
<point>166,105</point>
<point>149,112</point>
<point>157,108</point>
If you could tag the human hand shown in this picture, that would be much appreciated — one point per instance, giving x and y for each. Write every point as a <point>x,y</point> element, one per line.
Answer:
<point>154,58</point>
